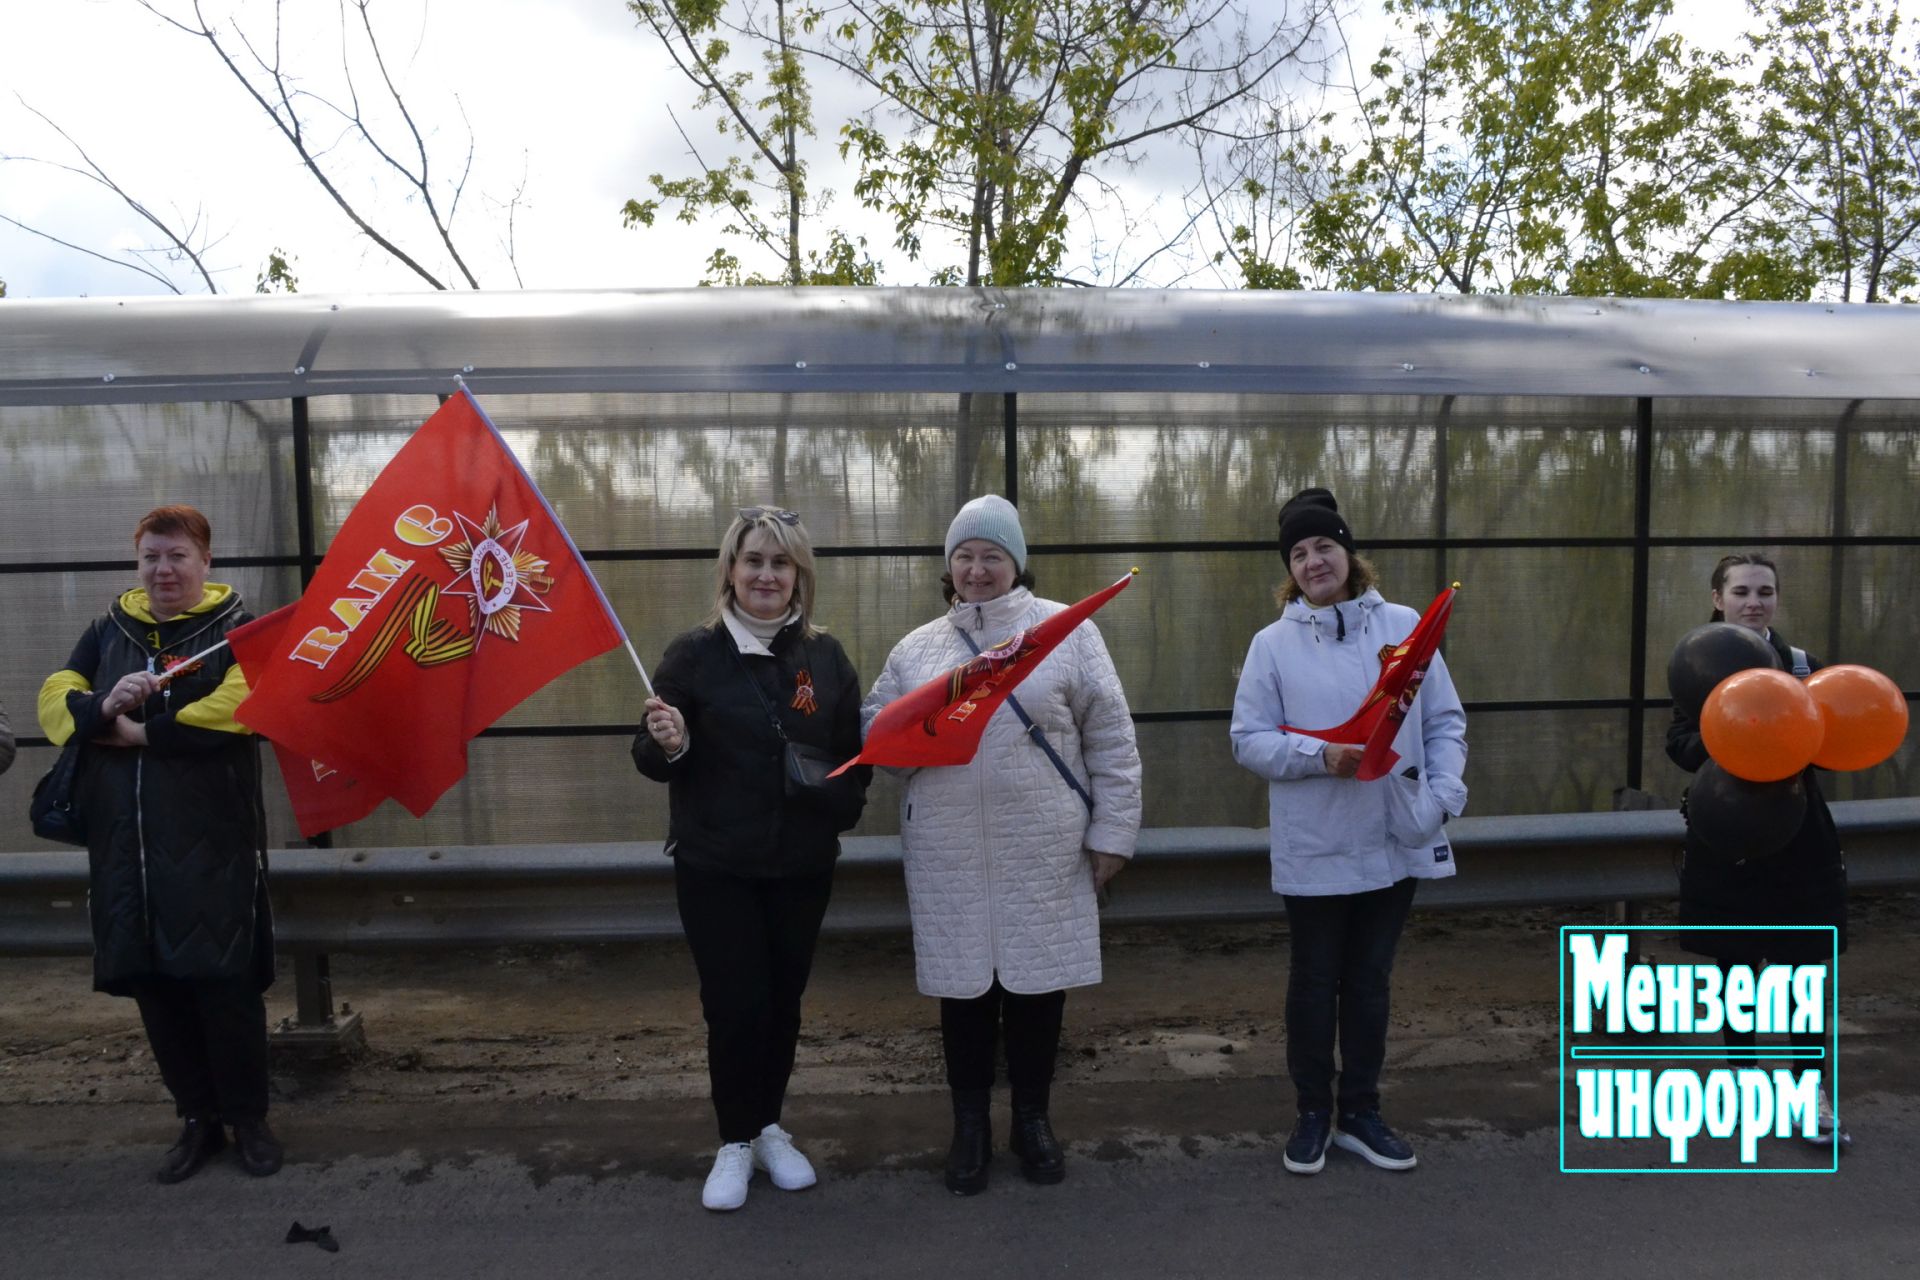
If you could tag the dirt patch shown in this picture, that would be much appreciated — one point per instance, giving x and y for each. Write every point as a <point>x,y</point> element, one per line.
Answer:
<point>537,1025</point>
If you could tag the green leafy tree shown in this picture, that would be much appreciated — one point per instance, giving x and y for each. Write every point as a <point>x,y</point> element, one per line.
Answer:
<point>762,197</point>
<point>999,122</point>
<point>1840,117</point>
<point>1528,146</point>
<point>277,275</point>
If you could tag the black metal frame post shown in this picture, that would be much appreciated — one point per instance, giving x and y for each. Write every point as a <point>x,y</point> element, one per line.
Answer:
<point>1837,526</point>
<point>1642,569</point>
<point>315,1026</point>
<point>1010,444</point>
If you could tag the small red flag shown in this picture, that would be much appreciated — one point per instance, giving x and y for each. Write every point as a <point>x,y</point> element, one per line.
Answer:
<point>323,798</point>
<point>941,721</point>
<point>1402,668</point>
<point>450,594</point>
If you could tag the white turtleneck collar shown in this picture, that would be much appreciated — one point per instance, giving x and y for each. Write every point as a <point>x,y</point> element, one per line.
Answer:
<point>751,634</point>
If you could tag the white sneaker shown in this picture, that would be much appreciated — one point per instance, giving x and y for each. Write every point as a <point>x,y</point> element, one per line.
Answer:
<point>774,1151</point>
<point>1826,1125</point>
<point>726,1187</point>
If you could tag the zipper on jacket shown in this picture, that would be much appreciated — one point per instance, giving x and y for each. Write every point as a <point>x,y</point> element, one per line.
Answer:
<point>986,847</point>
<point>140,839</point>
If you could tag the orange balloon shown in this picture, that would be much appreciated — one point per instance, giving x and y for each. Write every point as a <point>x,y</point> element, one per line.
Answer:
<point>1865,714</point>
<point>1761,725</point>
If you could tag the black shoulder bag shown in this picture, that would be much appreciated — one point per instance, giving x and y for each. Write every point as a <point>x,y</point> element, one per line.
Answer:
<point>54,809</point>
<point>804,767</point>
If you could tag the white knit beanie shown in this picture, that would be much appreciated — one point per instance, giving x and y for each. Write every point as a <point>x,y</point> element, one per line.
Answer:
<point>995,519</point>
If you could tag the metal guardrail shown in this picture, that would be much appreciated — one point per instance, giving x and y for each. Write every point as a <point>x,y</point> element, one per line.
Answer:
<point>357,900</point>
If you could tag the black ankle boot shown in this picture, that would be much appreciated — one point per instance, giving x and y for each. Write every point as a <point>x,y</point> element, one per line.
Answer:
<point>1041,1158</point>
<point>972,1143</point>
<point>200,1137</point>
<point>260,1152</point>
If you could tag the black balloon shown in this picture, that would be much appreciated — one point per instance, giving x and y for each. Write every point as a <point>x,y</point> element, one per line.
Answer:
<point>1739,819</point>
<point>1709,654</point>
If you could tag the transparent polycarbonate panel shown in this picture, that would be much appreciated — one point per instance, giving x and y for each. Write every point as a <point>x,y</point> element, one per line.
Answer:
<point>1189,778</point>
<point>1541,622</point>
<point>1539,467</point>
<point>634,472</point>
<point>1216,468</point>
<point>1544,761</point>
<point>1883,469</point>
<point>1743,469</point>
<point>75,481</point>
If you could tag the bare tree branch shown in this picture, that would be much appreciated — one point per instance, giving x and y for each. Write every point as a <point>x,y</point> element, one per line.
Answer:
<point>94,172</point>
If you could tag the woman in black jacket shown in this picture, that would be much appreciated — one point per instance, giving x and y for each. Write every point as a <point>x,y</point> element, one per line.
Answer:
<point>753,865</point>
<point>1804,883</point>
<point>169,790</point>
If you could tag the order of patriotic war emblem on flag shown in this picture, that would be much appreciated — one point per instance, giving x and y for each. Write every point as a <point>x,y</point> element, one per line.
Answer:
<point>503,578</point>
<point>453,559</point>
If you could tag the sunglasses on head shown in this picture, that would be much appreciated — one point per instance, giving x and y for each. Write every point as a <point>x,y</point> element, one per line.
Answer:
<point>750,514</point>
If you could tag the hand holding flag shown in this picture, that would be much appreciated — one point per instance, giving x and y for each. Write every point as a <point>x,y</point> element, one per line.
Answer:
<point>941,721</point>
<point>1402,668</point>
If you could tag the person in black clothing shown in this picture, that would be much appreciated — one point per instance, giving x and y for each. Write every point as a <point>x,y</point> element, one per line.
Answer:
<point>1805,883</point>
<point>753,866</point>
<point>169,787</point>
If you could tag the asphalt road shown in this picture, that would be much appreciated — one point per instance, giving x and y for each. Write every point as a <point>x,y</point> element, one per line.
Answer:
<point>597,1189</point>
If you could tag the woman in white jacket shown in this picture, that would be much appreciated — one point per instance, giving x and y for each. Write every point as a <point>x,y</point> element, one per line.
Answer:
<point>1346,854</point>
<point>1005,855</point>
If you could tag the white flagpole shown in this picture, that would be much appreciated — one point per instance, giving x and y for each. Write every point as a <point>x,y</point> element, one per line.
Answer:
<point>183,665</point>
<point>637,664</point>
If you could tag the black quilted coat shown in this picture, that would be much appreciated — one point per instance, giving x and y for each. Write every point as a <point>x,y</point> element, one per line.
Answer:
<point>175,830</point>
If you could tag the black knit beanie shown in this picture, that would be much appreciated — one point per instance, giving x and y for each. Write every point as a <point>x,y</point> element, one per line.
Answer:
<point>1312,513</point>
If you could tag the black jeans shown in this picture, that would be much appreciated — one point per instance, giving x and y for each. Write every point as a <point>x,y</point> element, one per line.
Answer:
<point>209,1037</point>
<point>970,1030</point>
<point>1744,1048</point>
<point>752,942</point>
<point>1338,981</point>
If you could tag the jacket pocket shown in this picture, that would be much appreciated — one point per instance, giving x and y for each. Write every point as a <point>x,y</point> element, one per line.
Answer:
<point>1414,817</point>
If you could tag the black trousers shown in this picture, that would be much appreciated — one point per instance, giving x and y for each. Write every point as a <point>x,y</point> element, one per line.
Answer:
<point>1744,1048</point>
<point>1338,983</point>
<point>752,942</point>
<point>970,1031</point>
<point>209,1037</point>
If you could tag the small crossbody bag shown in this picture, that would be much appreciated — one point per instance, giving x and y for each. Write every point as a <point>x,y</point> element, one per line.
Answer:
<point>804,767</point>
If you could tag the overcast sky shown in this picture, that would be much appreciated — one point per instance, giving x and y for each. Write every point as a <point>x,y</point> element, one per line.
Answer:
<point>572,93</point>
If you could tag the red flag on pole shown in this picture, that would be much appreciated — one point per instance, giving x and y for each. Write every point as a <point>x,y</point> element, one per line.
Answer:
<point>450,594</point>
<point>941,721</point>
<point>1402,668</point>
<point>323,798</point>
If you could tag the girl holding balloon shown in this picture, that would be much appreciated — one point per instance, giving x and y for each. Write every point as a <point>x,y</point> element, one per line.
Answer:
<point>1762,881</point>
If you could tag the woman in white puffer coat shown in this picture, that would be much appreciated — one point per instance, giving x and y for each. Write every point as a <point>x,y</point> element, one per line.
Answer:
<point>1004,855</point>
<point>1347,854</point>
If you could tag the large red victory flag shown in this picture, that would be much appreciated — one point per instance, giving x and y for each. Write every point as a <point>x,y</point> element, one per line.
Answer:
<point>450,594</point>
<point>1402,668</point>
<point>941,721</point>
<point>323,798</point>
